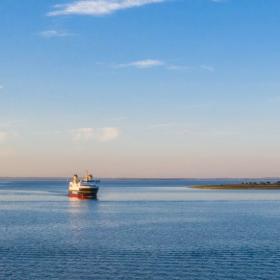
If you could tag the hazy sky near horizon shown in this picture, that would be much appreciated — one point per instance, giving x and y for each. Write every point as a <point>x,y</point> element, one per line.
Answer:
<point>140,88</point>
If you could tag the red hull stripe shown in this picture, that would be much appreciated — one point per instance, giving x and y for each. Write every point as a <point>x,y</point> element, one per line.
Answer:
<point>83,196</point>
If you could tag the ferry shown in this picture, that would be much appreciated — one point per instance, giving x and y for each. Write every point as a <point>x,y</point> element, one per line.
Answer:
<point>86,188</point>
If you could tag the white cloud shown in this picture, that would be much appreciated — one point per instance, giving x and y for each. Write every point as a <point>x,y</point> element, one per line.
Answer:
<point>219,1</point>
<point>142,64</point>
<point>152,63</point>
<point>155,63</point>
<point>98,7</point>
<point>83,134</point>
<point>1,87</point>
<point>104,134</point>
<point>54,33</point>
<point>108,134</point>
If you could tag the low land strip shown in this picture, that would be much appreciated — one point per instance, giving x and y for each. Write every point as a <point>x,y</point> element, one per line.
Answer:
<point>242,186</point>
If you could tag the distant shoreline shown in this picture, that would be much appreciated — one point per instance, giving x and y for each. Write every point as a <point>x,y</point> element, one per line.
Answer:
<point>244,186</point>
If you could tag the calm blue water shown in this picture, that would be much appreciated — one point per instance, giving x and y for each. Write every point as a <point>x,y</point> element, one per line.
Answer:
<point>138,229</point>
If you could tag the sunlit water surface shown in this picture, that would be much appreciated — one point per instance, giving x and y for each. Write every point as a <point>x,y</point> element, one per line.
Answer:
<point>138,229</point>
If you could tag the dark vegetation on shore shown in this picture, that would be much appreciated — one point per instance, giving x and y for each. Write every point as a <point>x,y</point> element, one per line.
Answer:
<point>243,186</point>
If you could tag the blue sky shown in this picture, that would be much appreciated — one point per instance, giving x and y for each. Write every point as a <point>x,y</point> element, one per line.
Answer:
<point>140,88</point>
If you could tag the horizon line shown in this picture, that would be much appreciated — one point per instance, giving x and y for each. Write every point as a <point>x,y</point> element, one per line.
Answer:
<point>141,178</point>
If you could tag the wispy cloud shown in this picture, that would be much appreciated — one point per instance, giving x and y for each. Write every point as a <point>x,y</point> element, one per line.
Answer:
<point>142,64</point>
<point>108,134</point>
<point>152,63</point>
<point>155,63</point>
<point>98,7</point>
<point>54,33</point>
<point>219,1</point>
<point>104,134</point>
<point>1,87</point>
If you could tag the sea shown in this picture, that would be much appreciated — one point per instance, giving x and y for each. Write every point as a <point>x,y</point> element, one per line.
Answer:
<point>138,229</point>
